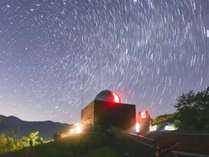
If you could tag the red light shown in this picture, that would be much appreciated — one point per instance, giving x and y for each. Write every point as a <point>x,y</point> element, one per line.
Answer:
<point>116,98</point>
<point>143,115</point>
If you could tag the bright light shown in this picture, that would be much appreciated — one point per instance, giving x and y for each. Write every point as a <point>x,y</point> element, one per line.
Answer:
<point>170,127</point>
<point>207,33</point>
<point>143,115</point>
<point>72,131</point>
<point>76,124</point>
<point>137,127</point>
<point>153,128</point>
<point>116,98</point>
<point>77,129</point>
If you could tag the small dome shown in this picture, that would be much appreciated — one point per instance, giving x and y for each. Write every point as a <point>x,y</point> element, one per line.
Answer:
<point>107,95</point>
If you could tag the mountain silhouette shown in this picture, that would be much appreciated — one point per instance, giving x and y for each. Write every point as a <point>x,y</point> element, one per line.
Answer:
<point>19,128</point>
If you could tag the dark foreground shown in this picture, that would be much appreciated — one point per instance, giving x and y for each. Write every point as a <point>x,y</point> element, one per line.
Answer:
<point>96,144</point>
<point>193,143</point>
<point>115,144</point>
<point>175,144</point>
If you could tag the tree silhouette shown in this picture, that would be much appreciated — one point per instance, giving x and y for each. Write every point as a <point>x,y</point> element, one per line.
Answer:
<point>193,110</point>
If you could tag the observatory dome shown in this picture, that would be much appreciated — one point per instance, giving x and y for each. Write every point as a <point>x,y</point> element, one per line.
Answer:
<point>107,95</point>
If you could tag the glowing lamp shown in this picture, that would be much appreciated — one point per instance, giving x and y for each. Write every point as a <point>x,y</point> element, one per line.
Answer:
<point>77,129</point>
<point>170,127</point>
<point>137,127</point>
<point>116,98</point>
<point>143,115</point>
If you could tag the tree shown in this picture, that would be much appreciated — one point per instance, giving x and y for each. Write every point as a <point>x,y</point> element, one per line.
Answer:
<point>165,118</point>
<point>33,139</point>
<point>193,110</point>
<point>8,143</point>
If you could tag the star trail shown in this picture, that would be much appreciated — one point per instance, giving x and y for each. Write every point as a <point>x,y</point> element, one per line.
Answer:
<point>56,55</point>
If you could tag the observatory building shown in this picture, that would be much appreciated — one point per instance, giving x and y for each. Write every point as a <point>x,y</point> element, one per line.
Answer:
<point>108,110</point>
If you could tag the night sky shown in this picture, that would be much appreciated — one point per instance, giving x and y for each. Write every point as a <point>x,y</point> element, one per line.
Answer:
<point>56,55</point>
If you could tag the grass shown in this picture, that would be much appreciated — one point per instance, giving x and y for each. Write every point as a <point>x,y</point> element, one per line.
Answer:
<point>126,146</point>
<point>94,144</point>
<point>105,151</point>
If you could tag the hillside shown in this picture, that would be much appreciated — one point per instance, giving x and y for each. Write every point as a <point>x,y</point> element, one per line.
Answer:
<point>18,127</point>
<point>93,144</point>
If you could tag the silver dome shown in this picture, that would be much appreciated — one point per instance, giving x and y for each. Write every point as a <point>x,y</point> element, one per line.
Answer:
<point>107,95</point>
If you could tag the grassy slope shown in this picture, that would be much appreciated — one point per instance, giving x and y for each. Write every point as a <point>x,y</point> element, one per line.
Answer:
<point>94,145</point>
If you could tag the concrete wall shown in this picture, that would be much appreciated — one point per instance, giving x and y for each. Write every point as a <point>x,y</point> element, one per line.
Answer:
<point>109,114</point>
<point>87,114</point>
